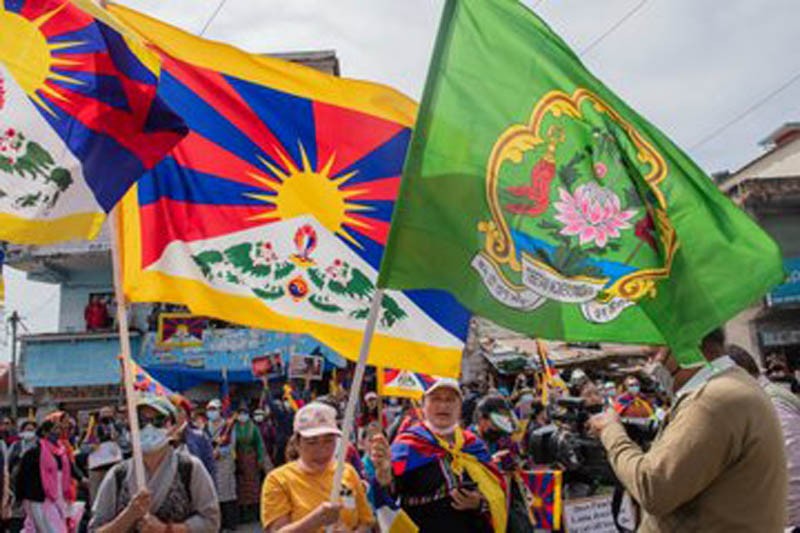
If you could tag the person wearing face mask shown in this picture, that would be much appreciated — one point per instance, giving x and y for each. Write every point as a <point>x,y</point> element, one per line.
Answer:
<point>223,439</point>
<point>27,440</point>
<point>251,459</point>
<point>179,495</point>
<point>295,496</point>
<point>441,475</point>
<point>718,461</point>
<point>631,403</point>
<point>268,431</point>
<point>44,482</point>
<point>106,451</point>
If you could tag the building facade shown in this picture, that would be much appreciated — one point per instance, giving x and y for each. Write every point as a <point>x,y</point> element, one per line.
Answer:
<point>768,188</point>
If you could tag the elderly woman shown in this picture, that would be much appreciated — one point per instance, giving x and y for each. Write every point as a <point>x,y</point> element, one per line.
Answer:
<point>441,474</point>
<point>295,496</point>
<point>179,496</point>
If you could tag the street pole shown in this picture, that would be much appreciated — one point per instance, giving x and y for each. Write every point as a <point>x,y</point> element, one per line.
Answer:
<point>12,371</point>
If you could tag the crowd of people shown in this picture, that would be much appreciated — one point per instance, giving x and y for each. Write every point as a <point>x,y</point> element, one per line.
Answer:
<point>720,457</point>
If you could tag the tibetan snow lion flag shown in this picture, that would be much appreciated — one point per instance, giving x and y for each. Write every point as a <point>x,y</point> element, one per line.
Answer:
<point>543,202</point>
<point>274,211</point>
<point>544,497</point>
<point>80,118</point>
<point>403,383</point>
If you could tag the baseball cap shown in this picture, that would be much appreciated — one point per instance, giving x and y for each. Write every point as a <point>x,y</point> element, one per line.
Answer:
<point>444,383</point>
<point>316,419</point>
<point>214,404</point>
<point>159,403</point>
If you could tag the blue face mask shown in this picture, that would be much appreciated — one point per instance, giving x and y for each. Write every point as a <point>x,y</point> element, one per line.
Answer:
<point>633,389</point>
<point>52,437</point>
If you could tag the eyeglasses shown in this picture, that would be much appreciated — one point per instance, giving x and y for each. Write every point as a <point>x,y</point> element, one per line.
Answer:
<point>157,421</point>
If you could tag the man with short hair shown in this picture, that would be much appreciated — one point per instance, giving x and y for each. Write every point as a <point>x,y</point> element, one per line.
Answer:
<point>717,464</point>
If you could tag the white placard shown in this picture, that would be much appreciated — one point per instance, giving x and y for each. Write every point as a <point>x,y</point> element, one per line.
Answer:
<point>589,515</point>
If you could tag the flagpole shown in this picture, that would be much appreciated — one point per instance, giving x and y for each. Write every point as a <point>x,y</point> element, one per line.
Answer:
<point>355,392</point>
<point>125,345</point>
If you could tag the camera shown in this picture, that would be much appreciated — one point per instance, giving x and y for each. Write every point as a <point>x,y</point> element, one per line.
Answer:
<point>565,444</point>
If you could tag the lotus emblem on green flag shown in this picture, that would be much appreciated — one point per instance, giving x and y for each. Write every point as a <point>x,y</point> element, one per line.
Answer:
<point>543,202</point>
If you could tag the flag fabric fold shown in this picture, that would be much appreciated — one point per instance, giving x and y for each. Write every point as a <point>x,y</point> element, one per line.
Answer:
<point>543,202</point>
<point>80,118</point>
<point>274,211</point>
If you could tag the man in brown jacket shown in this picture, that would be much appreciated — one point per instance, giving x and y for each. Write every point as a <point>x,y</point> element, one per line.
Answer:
<point>718,462</point>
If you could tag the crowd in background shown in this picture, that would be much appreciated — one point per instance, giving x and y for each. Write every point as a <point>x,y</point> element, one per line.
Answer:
<point>213,466</point>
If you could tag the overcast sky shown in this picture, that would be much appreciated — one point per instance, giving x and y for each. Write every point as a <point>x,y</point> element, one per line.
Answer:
<point>689,66</point>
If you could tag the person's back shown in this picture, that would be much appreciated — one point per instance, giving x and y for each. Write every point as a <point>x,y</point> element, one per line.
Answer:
<point>723,450</point>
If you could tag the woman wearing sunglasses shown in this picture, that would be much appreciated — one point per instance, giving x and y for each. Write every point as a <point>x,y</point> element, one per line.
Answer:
<point>180,495</point>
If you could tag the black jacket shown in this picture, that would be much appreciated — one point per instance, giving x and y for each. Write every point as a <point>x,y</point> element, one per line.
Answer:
<point>29,479</point>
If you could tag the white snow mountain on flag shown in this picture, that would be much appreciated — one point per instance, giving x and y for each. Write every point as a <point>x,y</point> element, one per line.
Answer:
<point>300,269</point>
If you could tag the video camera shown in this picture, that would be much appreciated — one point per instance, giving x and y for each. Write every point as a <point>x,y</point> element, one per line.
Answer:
<point>565,443</point>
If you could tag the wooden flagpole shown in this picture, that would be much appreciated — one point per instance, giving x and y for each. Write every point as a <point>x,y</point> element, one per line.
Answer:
<point>125,345</point>
<point>355,392</point>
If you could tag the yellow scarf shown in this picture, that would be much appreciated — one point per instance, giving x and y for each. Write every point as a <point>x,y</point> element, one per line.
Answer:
<point>489,486</point>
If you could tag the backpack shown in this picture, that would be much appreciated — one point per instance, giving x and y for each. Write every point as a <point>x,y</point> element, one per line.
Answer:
<point>185,467</point>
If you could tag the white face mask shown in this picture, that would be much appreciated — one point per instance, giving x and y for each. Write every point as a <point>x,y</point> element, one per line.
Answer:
<point>258,418</point>
<point>27,435</point>
<point>212,415</point>
<point>153,438</point>
<point>243,418</point>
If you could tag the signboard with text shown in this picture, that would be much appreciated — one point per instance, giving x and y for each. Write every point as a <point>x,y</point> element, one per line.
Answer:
<point>788,292</point>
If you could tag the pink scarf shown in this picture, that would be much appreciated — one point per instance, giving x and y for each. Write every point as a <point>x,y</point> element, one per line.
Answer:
<point>48,469</point>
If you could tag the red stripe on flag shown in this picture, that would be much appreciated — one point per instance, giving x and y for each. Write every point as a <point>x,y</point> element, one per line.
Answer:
<point>198,153</point>
<point>167,220</point>
<point>212,87</point>
<point>349,135</point>
<point>383,189</point>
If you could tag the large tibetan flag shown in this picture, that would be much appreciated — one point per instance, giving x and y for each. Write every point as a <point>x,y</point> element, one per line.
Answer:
<point>80,118</point>
<point>403,383</point>
<point>274,211</point>
<point>543,202</point>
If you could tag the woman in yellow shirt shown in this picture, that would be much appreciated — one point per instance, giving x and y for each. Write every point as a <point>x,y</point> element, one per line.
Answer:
<point>295,497</point>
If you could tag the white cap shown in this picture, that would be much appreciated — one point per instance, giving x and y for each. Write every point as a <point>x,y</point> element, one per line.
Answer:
<point>214,404</point>
<point>316,419</point>
<point>445,383</point>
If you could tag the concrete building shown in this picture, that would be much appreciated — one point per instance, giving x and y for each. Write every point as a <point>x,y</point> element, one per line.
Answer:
<point>769,189</point>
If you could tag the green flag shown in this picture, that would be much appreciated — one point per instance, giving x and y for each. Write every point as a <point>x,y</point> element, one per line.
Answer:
<point>543,202</point>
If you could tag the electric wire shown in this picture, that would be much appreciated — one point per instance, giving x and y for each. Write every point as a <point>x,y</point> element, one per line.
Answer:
<point>212,17</point>
<point>614,27</point>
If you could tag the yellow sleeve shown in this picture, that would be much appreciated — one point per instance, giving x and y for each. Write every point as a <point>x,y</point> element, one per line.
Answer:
<point>275,500</point>
<point>365,516</point>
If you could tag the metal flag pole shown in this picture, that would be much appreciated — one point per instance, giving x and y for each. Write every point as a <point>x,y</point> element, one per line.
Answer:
<point>355,393</point>
<point>125,345</point>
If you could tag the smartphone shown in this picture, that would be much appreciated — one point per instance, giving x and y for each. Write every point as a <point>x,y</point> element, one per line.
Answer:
<point>468,485</point>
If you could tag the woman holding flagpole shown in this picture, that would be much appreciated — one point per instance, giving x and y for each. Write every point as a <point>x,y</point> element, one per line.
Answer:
<point>295,496</point>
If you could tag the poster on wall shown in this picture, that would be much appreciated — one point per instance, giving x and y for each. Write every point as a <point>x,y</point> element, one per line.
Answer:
<point>268,366</point>
<point>306,367</point>
<point>180,330</point>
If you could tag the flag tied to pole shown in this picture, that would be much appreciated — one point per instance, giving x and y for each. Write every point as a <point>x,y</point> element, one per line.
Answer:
<point>403,383</point>
<point>274,211</point>
<point>80,118</point>
<point>543,202</point>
